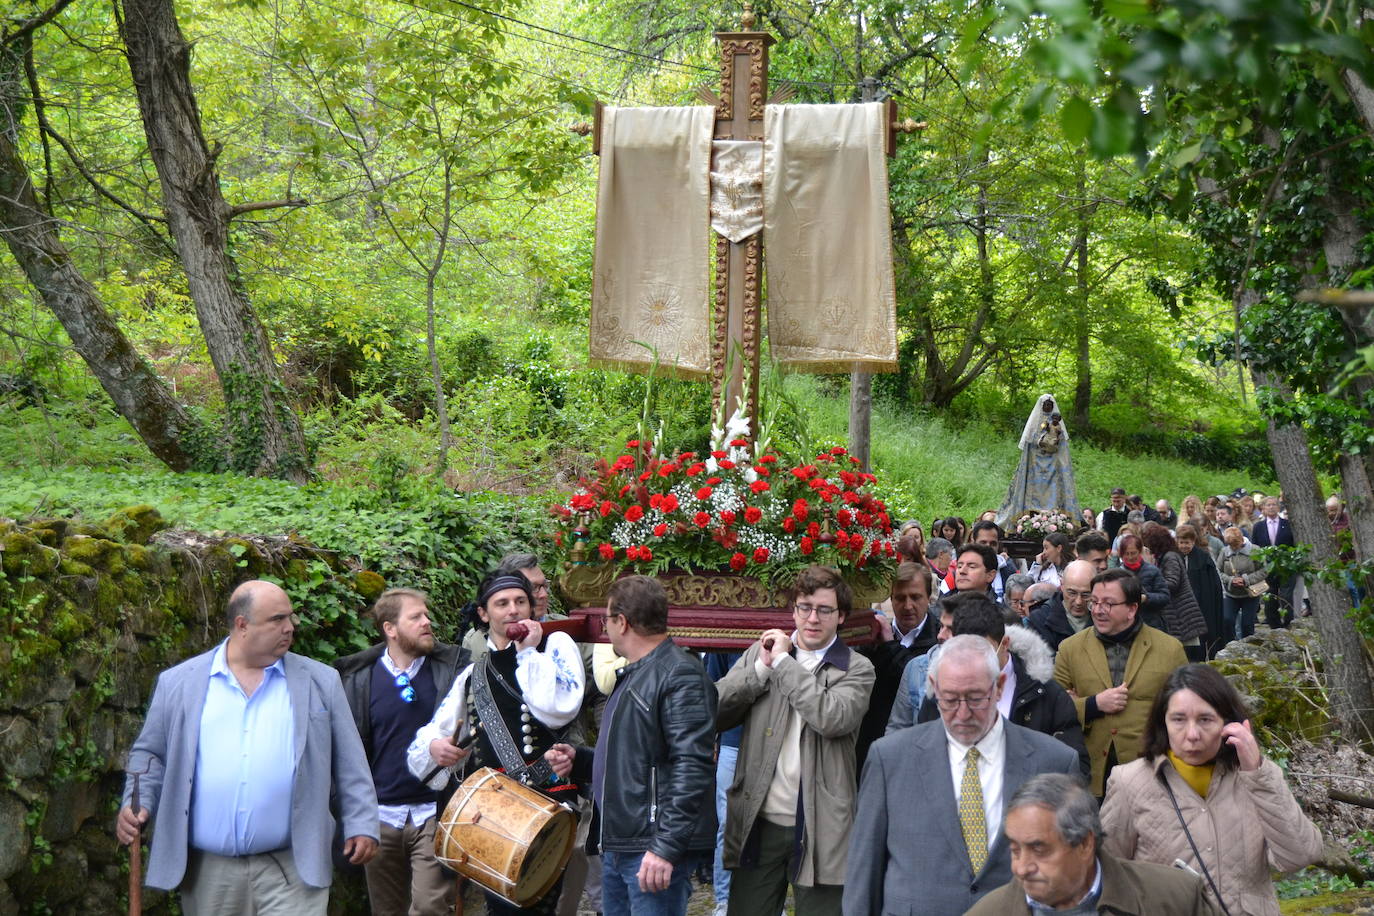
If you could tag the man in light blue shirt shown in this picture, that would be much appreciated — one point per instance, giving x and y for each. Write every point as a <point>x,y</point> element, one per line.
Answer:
<point>240,750</point>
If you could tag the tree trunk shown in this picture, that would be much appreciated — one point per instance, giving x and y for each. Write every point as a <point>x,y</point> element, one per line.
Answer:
<point>1351,695</point>
<point>1359,502</point>
<point>30,232</point>
<point>1083,390</point>
<point>266,435</point>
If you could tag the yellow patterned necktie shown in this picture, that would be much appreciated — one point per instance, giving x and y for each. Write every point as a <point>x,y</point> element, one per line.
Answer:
<point>971,815</point>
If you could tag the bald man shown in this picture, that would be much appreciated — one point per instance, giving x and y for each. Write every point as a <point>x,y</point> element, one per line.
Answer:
<point>241,750</point>
<point>1067,612</point>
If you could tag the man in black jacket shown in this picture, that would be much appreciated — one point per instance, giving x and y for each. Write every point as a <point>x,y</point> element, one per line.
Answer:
<point>653,771</point>
<point>392,689</point>
<point>1030,697</point>
<point>911,632</point>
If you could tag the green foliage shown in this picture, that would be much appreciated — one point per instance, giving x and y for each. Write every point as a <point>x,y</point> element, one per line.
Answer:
<point>1122,73</point>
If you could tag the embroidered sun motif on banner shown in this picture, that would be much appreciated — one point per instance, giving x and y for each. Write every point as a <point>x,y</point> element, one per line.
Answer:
<point>660,308</point>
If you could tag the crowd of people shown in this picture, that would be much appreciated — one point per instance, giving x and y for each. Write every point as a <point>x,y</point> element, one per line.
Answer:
<point>1023,737</point>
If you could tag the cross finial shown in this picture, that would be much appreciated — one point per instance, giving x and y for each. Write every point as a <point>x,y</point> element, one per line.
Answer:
<point>746,19</point>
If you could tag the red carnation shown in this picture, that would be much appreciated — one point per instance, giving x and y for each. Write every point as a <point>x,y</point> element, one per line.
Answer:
<point>607,551</point>
<point>807,545</point>
<point>643,478</point>
<point>712,481</point>
<point>844,517</point>
<point>741,443</point>
<point>656,501</point>
<point>738,561</point>
<point>856,542</point>
<point>669,503</point>
<point>695,469</point>
<point>623,462</point>
<point>634,513</point>
<point>762,470</point>
<point>633,443</point>
<point>702,519</point>
<point>666,470</point>
<point>760,554</point>
<point>727,517</point>
<point>813,530</point>
<point>625,489</point>
<point>789,524</point>
<point>726,463</point>
<point>752,514</point>
<point>849,478</point>
<point>660,529</point>
<point>718,455</point>
<point>838,450</point>
<point>582,501</point>
<point>759,486</point>
<point>704,493</point>
<point>801,509</point>
<point>607,507</point>
<point>769,459</point>
<point>632,553</point>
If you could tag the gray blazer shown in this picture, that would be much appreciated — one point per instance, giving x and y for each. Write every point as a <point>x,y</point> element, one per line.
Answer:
<point>328,755</point>
<point>906,851</point>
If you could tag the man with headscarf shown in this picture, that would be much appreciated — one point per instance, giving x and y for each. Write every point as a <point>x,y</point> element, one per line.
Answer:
<point>513,705</point>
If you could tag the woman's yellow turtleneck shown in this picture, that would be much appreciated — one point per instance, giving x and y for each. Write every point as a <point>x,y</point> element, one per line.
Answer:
<point>1197,777</point>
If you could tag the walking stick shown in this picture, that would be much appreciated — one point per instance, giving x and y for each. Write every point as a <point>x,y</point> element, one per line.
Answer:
<point>136,855</point>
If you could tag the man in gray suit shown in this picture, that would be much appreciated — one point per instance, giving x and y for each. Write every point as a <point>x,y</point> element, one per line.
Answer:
<point>239,753</point>
<point>934,794</point>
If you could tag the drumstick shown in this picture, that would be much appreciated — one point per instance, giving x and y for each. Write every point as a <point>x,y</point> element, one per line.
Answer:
<point>461,745</point>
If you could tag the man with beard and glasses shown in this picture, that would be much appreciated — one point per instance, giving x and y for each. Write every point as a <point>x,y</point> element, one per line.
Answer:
<point>393,688</point>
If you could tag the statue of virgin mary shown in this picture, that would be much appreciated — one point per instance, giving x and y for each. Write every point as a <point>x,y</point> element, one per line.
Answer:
<point>1044,476</point>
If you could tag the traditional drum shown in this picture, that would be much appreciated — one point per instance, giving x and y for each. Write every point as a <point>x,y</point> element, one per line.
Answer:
<point>510,839</point>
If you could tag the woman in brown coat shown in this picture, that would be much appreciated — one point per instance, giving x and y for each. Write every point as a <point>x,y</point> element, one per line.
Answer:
<point>1203,793</point>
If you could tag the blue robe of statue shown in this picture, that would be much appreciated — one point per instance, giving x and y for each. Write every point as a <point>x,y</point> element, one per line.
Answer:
<point>1044,478</point>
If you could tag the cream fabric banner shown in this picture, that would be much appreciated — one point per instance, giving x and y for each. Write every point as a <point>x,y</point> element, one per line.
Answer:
<point>650,282</point>
<point>828,238</point>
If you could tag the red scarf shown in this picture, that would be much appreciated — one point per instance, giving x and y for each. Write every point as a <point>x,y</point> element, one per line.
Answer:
<point>1136,568</point>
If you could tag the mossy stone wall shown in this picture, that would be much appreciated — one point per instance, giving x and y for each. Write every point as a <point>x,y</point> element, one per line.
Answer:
<point>89,615</point>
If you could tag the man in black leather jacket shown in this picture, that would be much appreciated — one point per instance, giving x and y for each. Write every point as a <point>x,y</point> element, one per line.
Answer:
<point>653,771</point>
<point>412,672</point>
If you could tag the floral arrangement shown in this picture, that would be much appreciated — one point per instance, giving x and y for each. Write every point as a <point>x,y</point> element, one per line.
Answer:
<point>739,507</point>
<point>1035,525</point>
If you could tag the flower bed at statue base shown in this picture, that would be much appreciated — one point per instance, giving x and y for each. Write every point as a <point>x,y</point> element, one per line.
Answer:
<point>1034,526</point>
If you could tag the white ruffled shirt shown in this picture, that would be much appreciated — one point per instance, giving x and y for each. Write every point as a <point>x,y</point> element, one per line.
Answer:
<point>551,683</point>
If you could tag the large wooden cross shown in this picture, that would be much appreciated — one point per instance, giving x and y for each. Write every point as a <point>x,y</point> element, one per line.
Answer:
<point>737,327</point>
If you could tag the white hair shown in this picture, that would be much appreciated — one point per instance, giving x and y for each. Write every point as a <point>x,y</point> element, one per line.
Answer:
<point>966,646</point>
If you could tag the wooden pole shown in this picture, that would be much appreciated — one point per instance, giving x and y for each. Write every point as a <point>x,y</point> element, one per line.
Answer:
<point>739,265</point>
<point>861,382</point>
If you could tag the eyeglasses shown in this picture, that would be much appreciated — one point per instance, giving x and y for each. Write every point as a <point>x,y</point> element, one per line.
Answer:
<point>407,691</point>
<point>820,610</point>
<point>539,588</point>
<point>1074,594</point>
<point>974,704</point>
<point>1101,604</point>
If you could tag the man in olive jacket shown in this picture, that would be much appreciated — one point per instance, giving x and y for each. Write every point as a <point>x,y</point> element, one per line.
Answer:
<point>801,699</point>
<point>1113,670</point>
